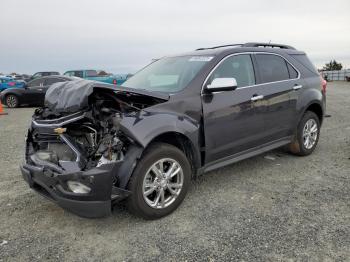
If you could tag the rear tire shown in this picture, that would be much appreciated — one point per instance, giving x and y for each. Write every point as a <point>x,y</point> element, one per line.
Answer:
<point>306,136</point>
<point>12,101</point>
<point>155,194</point>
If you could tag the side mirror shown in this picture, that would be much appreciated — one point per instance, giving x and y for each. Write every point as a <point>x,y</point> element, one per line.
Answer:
<point>222,84</point>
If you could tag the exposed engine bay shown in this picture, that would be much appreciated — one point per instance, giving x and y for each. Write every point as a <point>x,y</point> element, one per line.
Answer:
<point>63,141</point>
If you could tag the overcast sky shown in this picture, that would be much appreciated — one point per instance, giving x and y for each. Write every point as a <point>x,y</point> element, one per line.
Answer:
<point>123,36</point>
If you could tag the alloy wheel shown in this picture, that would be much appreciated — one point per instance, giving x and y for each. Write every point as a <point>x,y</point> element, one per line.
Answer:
<point>310,133</point>
<point>162,183</point>
<point>11,101</point>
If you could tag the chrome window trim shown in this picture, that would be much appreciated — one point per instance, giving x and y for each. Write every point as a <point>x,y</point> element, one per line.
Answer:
<point>251,53</point>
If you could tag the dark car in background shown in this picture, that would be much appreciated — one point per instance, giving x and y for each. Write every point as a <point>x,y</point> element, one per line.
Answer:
<point>43,73</point>
<point>181,116</point>
<point>33,93</point>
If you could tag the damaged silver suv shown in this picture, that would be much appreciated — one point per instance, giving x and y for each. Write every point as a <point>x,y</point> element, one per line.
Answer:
<point>94,144</point>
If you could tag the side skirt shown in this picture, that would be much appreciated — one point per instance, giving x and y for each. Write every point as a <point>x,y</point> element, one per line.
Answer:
<point>244,155</point>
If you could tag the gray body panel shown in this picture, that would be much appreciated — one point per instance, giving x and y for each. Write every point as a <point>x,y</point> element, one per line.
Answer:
<point>223,125</point>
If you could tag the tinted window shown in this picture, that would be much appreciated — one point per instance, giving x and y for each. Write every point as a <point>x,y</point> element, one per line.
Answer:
<point>272,68</point>
<point>91,73</point>
<point>78,74</point>
<point>51,81</point>
<point>36,82</point>
<point>292,72</point>
<point>304,60</point>
<point>240,67</point>
<point>37,75</point>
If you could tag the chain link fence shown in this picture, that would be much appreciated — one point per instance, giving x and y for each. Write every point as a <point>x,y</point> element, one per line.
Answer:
<point>339,75</point>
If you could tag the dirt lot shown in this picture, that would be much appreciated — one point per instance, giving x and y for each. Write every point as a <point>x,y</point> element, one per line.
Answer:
<point>280,208</point>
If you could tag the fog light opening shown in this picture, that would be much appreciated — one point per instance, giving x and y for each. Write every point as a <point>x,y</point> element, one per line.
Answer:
<point>78,188</point>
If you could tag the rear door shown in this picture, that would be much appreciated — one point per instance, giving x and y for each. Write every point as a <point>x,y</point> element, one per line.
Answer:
<point>278,80</point>
<point>231,124</point>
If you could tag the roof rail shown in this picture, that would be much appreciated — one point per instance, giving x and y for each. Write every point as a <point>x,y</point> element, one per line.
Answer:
<point>256,44</point>
<point>219,46</point>
<point>250,44</point>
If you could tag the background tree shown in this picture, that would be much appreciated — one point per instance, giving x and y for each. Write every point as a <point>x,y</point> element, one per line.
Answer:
<point>333,66</point>
<point>102,73</point>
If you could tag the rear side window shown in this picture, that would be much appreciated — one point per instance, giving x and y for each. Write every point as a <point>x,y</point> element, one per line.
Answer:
<point>305,61</point>
<point>272,68</point>
<point>239,66</point>
<point>292,72</point>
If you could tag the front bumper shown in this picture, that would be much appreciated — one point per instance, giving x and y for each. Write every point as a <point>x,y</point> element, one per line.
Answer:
<point>107,183</point>
<point>97,203</point>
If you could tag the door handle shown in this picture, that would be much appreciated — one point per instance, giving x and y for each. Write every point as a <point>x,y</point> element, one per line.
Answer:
<point>297,87</point>
<point>256,98</point>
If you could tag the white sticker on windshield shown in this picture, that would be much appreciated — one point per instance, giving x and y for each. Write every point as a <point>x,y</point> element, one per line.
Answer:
<point>200,58</point>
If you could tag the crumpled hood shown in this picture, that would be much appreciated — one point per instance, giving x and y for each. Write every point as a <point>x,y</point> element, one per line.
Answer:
<point>73,96</point>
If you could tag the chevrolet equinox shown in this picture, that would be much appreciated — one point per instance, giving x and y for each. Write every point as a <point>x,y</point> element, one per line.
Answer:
<point>94,144</point>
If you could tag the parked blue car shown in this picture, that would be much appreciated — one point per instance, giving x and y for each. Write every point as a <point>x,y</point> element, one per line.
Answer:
<point>98,76</point>
<point>8,82</point>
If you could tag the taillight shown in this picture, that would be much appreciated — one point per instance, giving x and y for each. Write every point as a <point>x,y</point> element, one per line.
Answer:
<point>114,81</point>
<point>12,84</point>
<point>324,85</point>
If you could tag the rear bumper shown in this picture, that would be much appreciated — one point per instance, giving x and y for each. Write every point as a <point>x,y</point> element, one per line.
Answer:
<point>97,203</point>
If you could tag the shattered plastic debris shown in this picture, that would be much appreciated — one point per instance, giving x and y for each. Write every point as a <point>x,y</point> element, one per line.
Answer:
<point>4,242</point>
<point>270,158</point>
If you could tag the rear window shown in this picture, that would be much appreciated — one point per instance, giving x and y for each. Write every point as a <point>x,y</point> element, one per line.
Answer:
<point>305,61</point>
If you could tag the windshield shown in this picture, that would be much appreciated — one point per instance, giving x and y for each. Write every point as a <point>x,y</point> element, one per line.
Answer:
<point>169,75</point>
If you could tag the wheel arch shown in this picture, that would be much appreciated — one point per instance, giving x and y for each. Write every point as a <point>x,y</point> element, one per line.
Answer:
<point>12,94</point>
<point>315,107</point>
<point>183,143</point>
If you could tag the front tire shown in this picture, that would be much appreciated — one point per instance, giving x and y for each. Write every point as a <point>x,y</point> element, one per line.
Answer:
<point>159,182</point>
<point>12,101</point>
<point>307,135</point>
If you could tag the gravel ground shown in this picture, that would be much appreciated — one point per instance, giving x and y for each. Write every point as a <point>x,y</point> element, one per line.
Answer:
<point>281,207</point>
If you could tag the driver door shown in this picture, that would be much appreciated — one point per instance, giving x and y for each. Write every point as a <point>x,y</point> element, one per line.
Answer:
<point>231,124</point>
